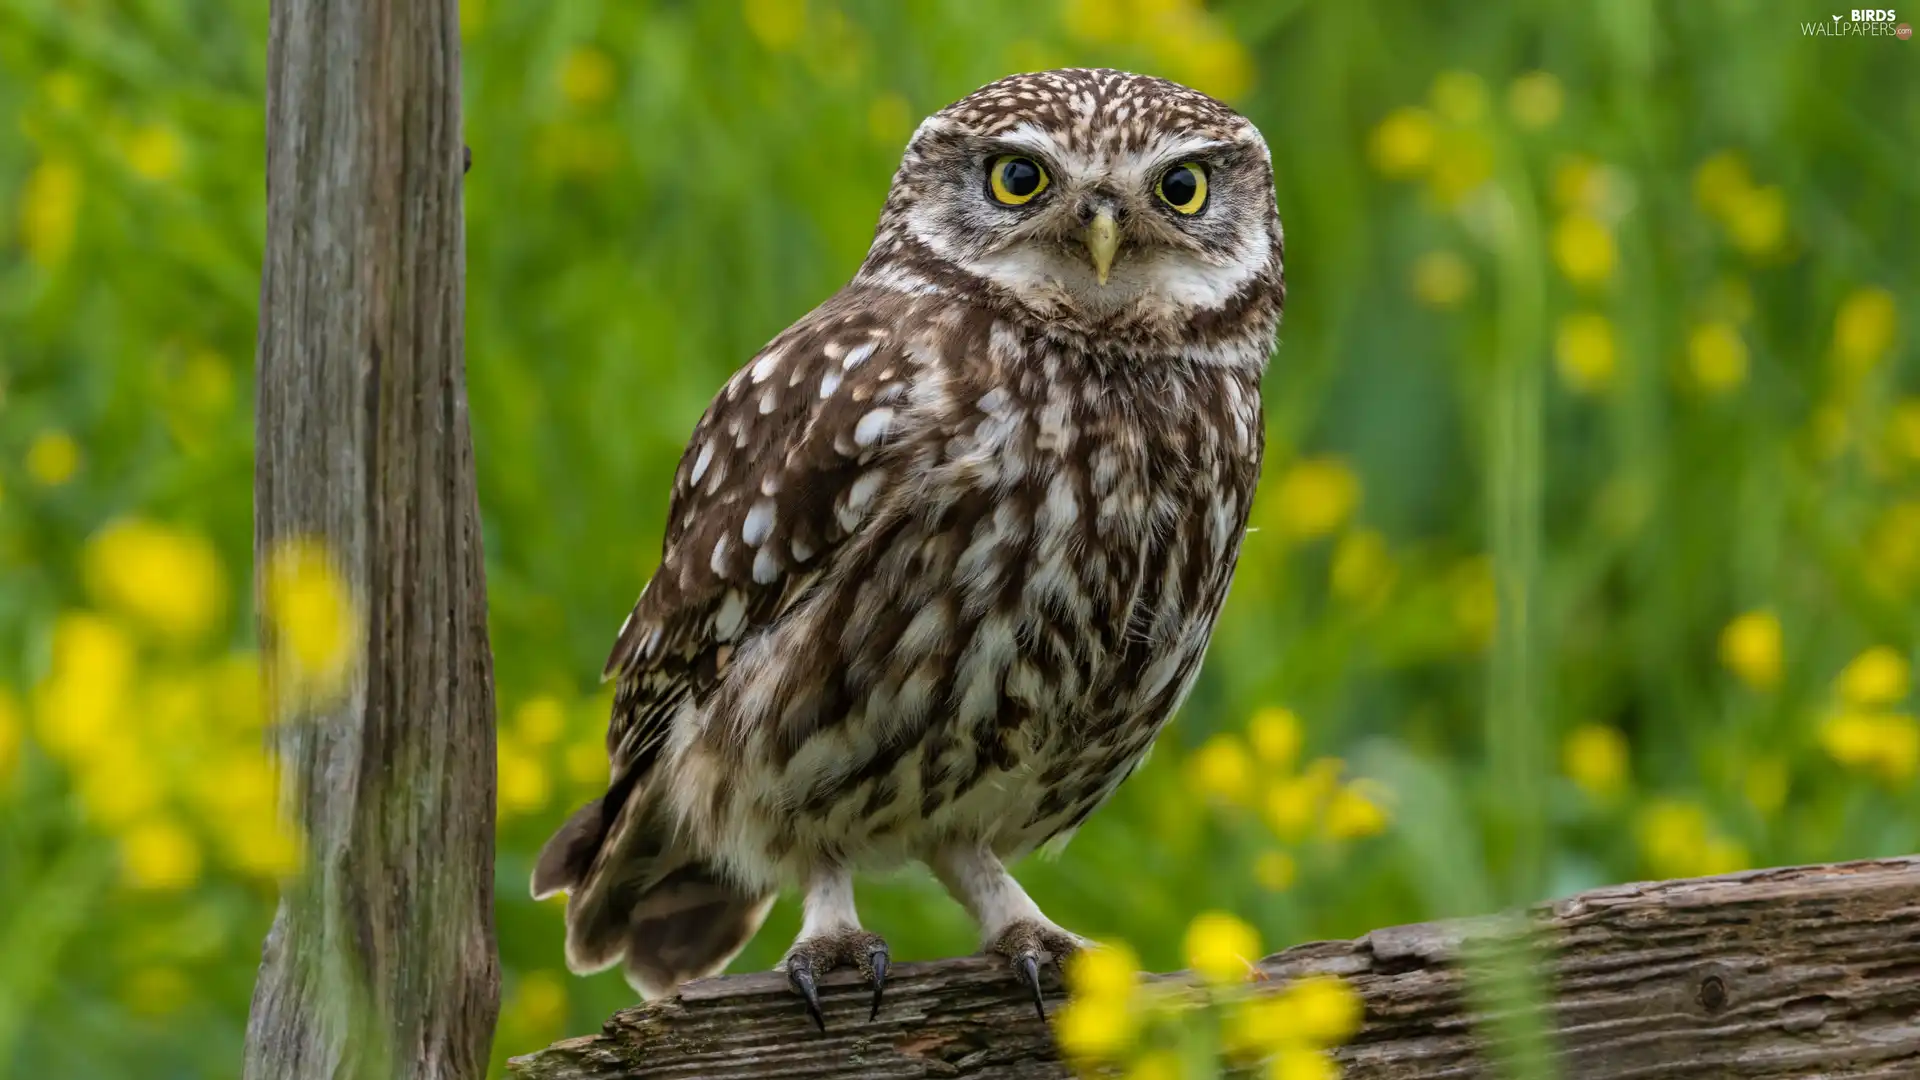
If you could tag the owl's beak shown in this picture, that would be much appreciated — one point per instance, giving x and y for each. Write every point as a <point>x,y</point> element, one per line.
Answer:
<point>1103,239</point>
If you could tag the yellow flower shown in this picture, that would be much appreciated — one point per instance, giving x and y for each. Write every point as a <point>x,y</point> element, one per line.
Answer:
<point>1583,249</point>
<point>776,23</point>
<point>1595,757</point>
<point>1275,871</point>
<point>1295,803</point>
<point>1352,814</point>
<point>1904,428</point>
<point>1220,769</point>
<point>1301,1063</point>
<point>889,119</point>
<point>473,17</point>
<point>1094,1029</point>
<point>1879,676</point>
<point>156,991</point>
<point>1158,1065</point>
<point>155,152</point>
<point>265,845</point>
<point>1462,161</point>
<point>1717,357</point>
<point>587,76</point>
<point>1442,279</point>
<point>586,762</point>
<point>1576,183</point>
<point>52,458</point>
<point>1094,20</point>
<point>1584,351</point>
<point>1756,220</point>
<point>539,721</point>
<point>167,578</point>
<point>1719,182</point>
<point>159,855</point>
<point>317,629</point>
<point>1314,497</point>
<point>1766,784</point>
<point>1324,1009</point>
<point>49,210</point>
<point>1751,648</point>
<point>118,785</point>
<point>539,1002</point>
<point>11,729</point>
<point>1404,142</point>
<point>1459,96</point>
<point>1276,736</point>
<point>524,784</point>
<point>82,702</point>
<point>1883,744</point>
<point>1863,329</point>
<point>1678,841</point>
<point>1535,99</point>
<point>1221,948</point>
<point>1108,971</point>
<point>1476,600</point>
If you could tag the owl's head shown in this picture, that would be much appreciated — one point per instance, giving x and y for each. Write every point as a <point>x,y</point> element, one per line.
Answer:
<point>1100,201</point>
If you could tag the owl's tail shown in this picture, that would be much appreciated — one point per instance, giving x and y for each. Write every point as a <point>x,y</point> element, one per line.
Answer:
<point>633,896</point>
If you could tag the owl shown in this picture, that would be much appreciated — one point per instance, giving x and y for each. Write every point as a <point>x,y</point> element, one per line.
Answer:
<point>942,559</point>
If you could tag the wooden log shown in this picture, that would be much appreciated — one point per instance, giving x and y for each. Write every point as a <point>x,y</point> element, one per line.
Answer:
<point>381,960</point>
<point>1799,972</point>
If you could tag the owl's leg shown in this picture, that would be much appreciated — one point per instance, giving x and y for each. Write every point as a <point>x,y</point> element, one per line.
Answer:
<point>831,937</point>
<point>1010,922</point>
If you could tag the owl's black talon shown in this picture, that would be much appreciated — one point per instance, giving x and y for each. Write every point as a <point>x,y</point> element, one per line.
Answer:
<point>877,965</point>
<point>800,977</point>
<point>1026,967</point>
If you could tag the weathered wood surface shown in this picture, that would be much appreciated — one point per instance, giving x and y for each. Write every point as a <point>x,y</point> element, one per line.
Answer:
<point>1797,972</point>
<point>381,959</point>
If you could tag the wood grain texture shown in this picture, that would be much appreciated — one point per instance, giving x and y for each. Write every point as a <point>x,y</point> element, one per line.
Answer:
<point>1799,972</point>
<point>381,960</point>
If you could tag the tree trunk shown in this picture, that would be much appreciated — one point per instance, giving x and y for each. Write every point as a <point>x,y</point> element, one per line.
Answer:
<point>381,961</point>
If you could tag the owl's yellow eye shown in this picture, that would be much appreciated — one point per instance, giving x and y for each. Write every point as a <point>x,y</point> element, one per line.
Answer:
<point>1184,187</point>
<point>1015,180</point>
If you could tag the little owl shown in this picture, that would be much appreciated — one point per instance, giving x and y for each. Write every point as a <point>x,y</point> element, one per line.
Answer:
<point>942,559</point>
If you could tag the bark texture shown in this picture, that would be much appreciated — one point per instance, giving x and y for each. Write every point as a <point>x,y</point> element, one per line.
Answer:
<point>1797,972</point>
<point>381,960</point>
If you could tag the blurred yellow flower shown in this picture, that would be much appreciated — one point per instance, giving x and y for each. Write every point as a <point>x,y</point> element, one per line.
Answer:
<point>1301,1063</point>
<point>81,703</point>
<point>1221,948</point>
<point>1584,352</point>
<point>1886,745</point>
<point>525,785</point>
<point>1403,144</point>
<point>473,17</point>
<point>1719,182</point>
<point>11,736</point>
<point>1903,426</point>
<point>1462,162</point>
<point>167,578</point>
<point>234,683</point>
<point>1595,757</point>
<point>1863,329</point>
<point>539,1002</point>
<point>776,23</point>
<point>1756,220</point>
<point>1220,769</point>
<point>52,458</point>
<point>586,76</point>
<point>1476,600</point>
<point>1765,785</point>
<point>1677,840</point>
<point>317,629</point>
<point>1353,814</point>
<point>1324,1010</point>
<point>1197,51</point>
<point>117,783</point>
<point>1094,20</point>
<point>1459,96</point>
<point>1362,572</point>
<point>265,845</point>
<point>1107,971</point>
<point>1583,249</point>
<point>49,210</point>
<point>1717,357</point>
<point>586,762</point>
<point>1576,183</point>
<point>889,119</point>
<point>1314,497</point>
<point>159,855</point>
<point>1751,648</point>
<point>1094,1029</point>
<point>1879,676</point>
<point>156,991</point>
<point>1535,100</point>
<point>1158,1065</point>
<point>540,720</point>
<point>1275,871</point>
<point>155,152</point>
<point>1296,802</point>
<point>1442,279</point>
<point>1276,736</point>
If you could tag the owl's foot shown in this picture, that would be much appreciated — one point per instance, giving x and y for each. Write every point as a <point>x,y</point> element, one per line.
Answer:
<point>1029,944</point>
<point>846,947</point>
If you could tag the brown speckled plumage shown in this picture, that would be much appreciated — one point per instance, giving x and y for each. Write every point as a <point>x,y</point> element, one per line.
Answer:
<point>942,559</point>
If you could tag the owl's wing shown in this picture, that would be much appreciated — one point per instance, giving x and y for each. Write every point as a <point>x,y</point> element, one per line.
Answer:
<point>780,472</point>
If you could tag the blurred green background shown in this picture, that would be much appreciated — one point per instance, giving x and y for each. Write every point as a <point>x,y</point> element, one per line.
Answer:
<point>1588,547</point>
